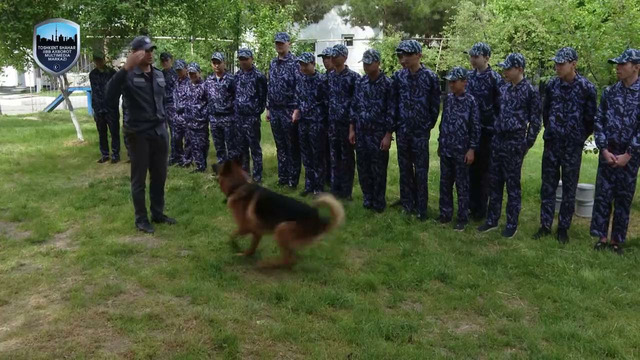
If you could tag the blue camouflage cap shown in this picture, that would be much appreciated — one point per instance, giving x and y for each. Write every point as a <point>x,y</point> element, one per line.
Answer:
<point>513,60</point>
<point>142,43</point>
<point>480,49</point>
<point>307,58</point>
<point>370,56</point>
<point>327,52</point>
<point>282,37</point>
<point>409,47</point>
<point>565,55</point>
<point>217,56</point>
<point>245,53</point>
<point>180,64</point>
<point>629,55</point>
<point>193,67</point>
<point>457,73</point>
<point>340,50</point>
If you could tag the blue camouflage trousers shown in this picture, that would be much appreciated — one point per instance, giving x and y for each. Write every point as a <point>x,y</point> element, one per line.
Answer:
<point>372,165</point>
<point>178,140</point>
<point>614,187</point>
<point>197,147</point>
<point>223,135</point>
<point>343,164</point>
<point>248,133</point>
<point>285,135</point>
<point>312,146</point>
<point>171,120</point>
<point>505,167</point>
<point>559,158</point>
<point>454,170</point>
<point>413,164</point>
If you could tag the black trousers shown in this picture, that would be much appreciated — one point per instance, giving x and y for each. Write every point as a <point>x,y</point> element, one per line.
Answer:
<point>149,152</point>
<point>107,123</point>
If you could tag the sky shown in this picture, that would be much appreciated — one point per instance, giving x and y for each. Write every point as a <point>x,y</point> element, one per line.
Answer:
<point>50,29</point>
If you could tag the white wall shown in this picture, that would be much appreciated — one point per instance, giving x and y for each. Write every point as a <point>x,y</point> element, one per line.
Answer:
<point>329,32</point>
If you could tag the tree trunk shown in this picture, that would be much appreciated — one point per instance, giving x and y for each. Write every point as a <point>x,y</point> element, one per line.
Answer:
<point>64,88</point>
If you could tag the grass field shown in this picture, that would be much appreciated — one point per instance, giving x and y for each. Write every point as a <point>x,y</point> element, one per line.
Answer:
<point>77,281</point>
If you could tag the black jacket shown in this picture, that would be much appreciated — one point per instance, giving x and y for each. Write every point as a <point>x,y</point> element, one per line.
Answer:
<point>142,95</point>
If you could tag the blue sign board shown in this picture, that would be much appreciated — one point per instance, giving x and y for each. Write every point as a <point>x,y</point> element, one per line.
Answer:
<point>56,45</point>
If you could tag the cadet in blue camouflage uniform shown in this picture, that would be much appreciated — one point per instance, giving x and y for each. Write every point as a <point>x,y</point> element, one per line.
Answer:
<point>568,110</point>
<point>617,135</point>
<point>417,100</point>
<point>341,83</point>
<point>106,117</point>
<point>484,84</point>
<point>170,78</point>
<point>283,72</point>
<point>219,94</point>
<point>516,131</point>
<point>196,119</point>
<point>327,55</point>
<point>311,89</point>
<point>457,143</point>
<point>372,123</point>
<point>250,101</point>
<point>181,98</point>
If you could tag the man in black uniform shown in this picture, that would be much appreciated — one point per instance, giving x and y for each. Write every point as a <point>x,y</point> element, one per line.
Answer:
<point>143,91</point>
<point>104,116</point>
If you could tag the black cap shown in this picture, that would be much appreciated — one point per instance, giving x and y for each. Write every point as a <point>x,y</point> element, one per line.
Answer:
<point>166,56</point>
<point>142,43</point>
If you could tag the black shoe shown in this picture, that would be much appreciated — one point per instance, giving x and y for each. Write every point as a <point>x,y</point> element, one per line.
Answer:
<point>509,233</point>
<point>164,219</point>
<point>421,217</point>
<point>600,245</point>
<point>486,228</point>
<point>115,160</point>
<point>396,203</point>
<point>542,232</point>
<point>145,227</point>
<point>562,236</point>
<point>378,210</point>
<point>616,248</point>
<point>444,220</point>
<point>103,160</point>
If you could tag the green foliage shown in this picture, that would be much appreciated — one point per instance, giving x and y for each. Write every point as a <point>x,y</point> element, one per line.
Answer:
<point>421,18</point>
<point>387,48</point>
<point>266,20</point>
<point>597,29</point>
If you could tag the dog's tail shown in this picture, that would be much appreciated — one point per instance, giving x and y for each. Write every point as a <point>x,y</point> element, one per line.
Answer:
<point>335,207</point>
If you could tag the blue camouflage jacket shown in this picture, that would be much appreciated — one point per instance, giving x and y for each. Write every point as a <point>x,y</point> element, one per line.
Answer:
<point>196,107</point>
<point>617,123</point>
<point>251,92</point>
<point>568,110</point>
<point>485,87</point>
<point>98,80</point>
<point>520,108</point>
<point>170,79</point>
<point>283,74</point>
<point>417,101</point>
<point>311,94</point>
<point>219,94</point>
<point>341,89</point>
<point>372,106</point>
<point>460,125</point>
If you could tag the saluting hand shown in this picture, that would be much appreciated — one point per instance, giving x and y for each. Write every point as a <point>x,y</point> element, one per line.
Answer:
<point>134,59</point>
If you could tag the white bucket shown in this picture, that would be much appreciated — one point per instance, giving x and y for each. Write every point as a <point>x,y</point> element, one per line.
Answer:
<point>558,196</point>
<point>584,200</point>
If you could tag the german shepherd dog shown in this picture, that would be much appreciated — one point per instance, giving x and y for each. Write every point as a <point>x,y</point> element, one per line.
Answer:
<point>259,211</point>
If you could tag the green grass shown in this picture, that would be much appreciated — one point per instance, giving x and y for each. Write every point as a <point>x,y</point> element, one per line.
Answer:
<point>77,280</point>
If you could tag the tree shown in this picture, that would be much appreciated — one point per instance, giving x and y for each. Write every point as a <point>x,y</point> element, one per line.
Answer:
<point>421,18</point>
